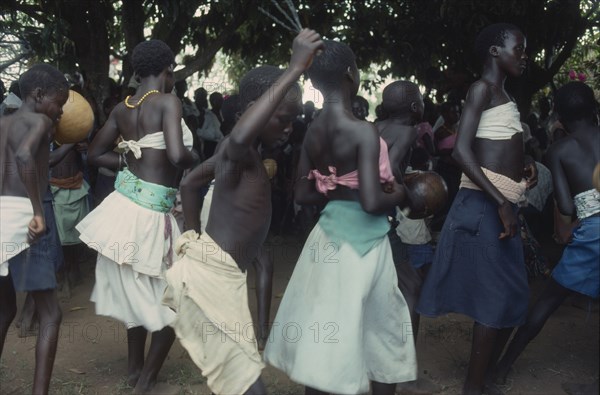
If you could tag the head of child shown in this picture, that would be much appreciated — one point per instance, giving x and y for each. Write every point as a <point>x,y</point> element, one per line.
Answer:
<point>180,89</point>
<point>200,98</point>
<point>381,113</point>
<point>450,111</point>
<point>253,85</point>
<point>360,107</point>
<point>401,98</point>
<point>45,90</point>
<point>154,58</point>
<point>502,44</point>
<point>575,101</point>
<point>216,101</point>
<point>334,70</point>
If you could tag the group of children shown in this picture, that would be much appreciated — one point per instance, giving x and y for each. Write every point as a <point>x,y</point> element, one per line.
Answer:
<point>193,285</point>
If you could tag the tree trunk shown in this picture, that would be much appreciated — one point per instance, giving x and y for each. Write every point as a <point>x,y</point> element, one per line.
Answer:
<point>89,33</point>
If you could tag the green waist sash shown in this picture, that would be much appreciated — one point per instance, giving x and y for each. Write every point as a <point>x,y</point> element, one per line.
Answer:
<point>346,222</point>
<point>146,194</point>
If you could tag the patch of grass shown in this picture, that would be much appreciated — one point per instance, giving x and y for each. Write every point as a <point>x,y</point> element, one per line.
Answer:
<point>59,386</point>
<point>184,374</point>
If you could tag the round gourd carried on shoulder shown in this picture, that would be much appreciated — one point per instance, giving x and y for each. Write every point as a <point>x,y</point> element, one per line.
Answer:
<point>76,121</point>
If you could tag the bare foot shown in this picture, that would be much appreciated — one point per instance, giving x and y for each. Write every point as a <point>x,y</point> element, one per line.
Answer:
<point>158,389</point>
<point>133,378</point>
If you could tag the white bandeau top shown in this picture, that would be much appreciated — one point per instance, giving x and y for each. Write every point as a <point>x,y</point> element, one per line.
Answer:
<point>500,122</point>
<point>156,141</point>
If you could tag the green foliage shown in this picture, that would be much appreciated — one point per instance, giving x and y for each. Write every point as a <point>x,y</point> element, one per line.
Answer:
<point>584,60</point>
<point>430,40</point>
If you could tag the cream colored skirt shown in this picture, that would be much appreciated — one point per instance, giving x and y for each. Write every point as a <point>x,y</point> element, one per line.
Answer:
<point>342,320</point>
<point>213,323</point>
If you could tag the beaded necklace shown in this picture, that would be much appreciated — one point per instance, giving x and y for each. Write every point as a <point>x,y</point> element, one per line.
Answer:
<point>141,99</point>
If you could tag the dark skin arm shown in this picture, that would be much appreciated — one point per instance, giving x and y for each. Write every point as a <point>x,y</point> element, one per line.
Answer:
<point>177,153</point>
<point>305,192</point>
<point>562,192</point>
<point>372,198</point>
<point>190,187</point>
<point>59,154</point>
<point>251,123</point>
<point>100,153</point>
<point>530,171</point>
<point>478,99</point>
<point>400,149</point>
<point>29,172</point>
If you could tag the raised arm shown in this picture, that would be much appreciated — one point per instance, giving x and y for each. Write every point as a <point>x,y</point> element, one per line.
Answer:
<point>256,117</point>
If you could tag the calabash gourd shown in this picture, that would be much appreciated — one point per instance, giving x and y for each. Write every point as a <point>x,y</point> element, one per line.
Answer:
<point>76,121</point>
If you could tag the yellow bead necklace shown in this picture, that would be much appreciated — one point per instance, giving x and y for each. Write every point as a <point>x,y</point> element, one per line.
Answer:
<point>141,99</point>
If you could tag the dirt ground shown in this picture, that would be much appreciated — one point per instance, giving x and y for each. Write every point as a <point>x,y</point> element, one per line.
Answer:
<point>92,355</point>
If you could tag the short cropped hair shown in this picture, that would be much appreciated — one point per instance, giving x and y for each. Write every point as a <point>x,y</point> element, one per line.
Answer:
<point>258,81</point>
<point>574,101</point>
<point>43,76</point>
<point>398,96</point>
<point>491,35</point>
<point>151,58</point>
<point>215,99</point>
<point>361,101</point>
<point>329,67</point>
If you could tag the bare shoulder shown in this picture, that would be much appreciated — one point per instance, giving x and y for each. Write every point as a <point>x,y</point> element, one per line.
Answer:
<point>363,132</point>
<point>169,101</point>
<point>479,91</point>
<point>220,155</point>
<point>565,146</point>
<point>33,122</point>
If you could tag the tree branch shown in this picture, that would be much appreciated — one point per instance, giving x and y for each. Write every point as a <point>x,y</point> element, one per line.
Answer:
<point>202,57</point>
<point>207,52</point>
<point>8,63</point>
<point>33,12</point>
